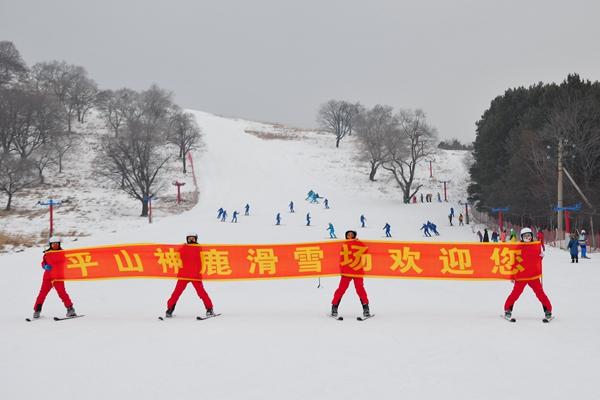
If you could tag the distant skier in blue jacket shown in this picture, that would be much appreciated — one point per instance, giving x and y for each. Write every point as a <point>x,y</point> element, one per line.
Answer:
<point>291,206</point>
<point>326,202</point>
<point>234,218</point>
<point>220,213</point>
<point>331,230</point>
<point>308,219</point>
<point>224,216</point>
<point>247,209</point>
<point>278,219</point>
<point>309,195</point>
<point>425,229</point>
<point>362,221</point>
<point>433,228</point>
<point>387,229</point>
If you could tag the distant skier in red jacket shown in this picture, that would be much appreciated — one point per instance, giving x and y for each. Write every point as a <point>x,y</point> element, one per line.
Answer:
<point>535,284</point>
<point>345,282</point>
<point>191,239</point>
<point>48,284</point>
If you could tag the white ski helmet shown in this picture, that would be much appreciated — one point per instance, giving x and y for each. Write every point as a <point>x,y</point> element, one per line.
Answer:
<point>524,231</point>
<point>583,231</point>
<point>54,239</point>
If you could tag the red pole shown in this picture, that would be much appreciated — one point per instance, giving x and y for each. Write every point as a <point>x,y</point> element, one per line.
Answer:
<point>149,210</point>
<point>567,222</point>
<point>178,193</point>
<point>430,170</point>
<point>51,219</point>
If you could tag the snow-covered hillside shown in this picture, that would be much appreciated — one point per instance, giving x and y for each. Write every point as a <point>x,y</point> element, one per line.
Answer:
<point>430,339</point>
<point>89,204</point>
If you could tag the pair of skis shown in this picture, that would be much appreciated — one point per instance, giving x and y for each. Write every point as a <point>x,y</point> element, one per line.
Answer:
<point>198,318</point>
<point>55,318</point>
<point>340,318</point>
<point>544,320</point>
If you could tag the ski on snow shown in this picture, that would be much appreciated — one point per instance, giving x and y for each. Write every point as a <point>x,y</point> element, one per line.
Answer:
<point>546,320</point>
<point>365,318</point>
<point>207,317</point>
<point>65,318</point>
<point>336,317</point>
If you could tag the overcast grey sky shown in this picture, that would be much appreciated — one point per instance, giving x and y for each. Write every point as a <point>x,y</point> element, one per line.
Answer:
<point>277,60</point>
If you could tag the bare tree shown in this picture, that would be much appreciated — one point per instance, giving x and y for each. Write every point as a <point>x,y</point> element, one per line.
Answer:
<point>373,127</point>
<point>62,144</point>
<point>184,132</point>
<point>337,117</point>
<point>69,83</point>
<point>15,175</point>
<point>12,66</point>
<point>413,141</point>
<point>41,158</point>
<point>28,120</point>
<point>82,94</point>
<point>132,161</point>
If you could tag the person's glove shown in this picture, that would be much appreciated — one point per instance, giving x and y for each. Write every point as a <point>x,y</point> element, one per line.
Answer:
<point>542,253</point>
<point>47,267</point>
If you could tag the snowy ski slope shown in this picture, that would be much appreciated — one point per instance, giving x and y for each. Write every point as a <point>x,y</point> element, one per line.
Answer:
<point>430,339</point>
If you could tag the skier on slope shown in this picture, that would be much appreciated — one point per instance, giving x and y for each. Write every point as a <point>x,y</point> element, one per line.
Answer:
<point>535,284</point>
<point>573,248</point>
<point>433,228</point>
<point>583,243</point>
<point>308,219</point>
<point>188,254</point>
<point>234,218</point>
<point>425,229</point>
<point>387,227</point>
<point>362,221</point>
<point>246,210</point>
<point>278,219</point>
<point>58,262</point>
<point>345,282</point>
<point>331,230</point>
<point>291,206</point>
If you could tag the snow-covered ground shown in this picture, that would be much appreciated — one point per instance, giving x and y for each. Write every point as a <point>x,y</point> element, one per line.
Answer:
<point>430,339</point>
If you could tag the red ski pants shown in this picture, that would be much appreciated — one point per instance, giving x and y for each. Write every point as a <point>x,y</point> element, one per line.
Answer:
<point>358,285</point>
<point>536,285</point>
<point>180,287</point>
<point>47,285</point>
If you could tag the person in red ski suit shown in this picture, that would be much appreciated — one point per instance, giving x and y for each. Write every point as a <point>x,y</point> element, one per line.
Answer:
<point>535,285</point>
<point>191,239</point>
<point>345,282</point>
<point>540,238</point>
<point>48,283</point>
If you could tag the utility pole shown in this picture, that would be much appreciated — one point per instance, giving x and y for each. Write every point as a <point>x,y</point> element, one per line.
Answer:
<point>430,168</point>
<point>51,203</point>
<point>445,192</point>
<point>559,222</point>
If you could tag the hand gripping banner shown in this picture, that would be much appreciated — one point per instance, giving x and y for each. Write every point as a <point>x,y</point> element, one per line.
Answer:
<point>471,261</point>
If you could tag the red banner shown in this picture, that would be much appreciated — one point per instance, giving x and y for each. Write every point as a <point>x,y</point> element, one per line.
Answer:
<point>472,261</point>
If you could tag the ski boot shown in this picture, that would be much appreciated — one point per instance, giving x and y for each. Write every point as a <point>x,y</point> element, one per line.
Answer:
<point>169,312</point>
<point>334,310</point>
<point>210,313</point>
<point>366,312</point>
<point>37,311</point>
<point>71,312</point>
<point>508,314</point>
